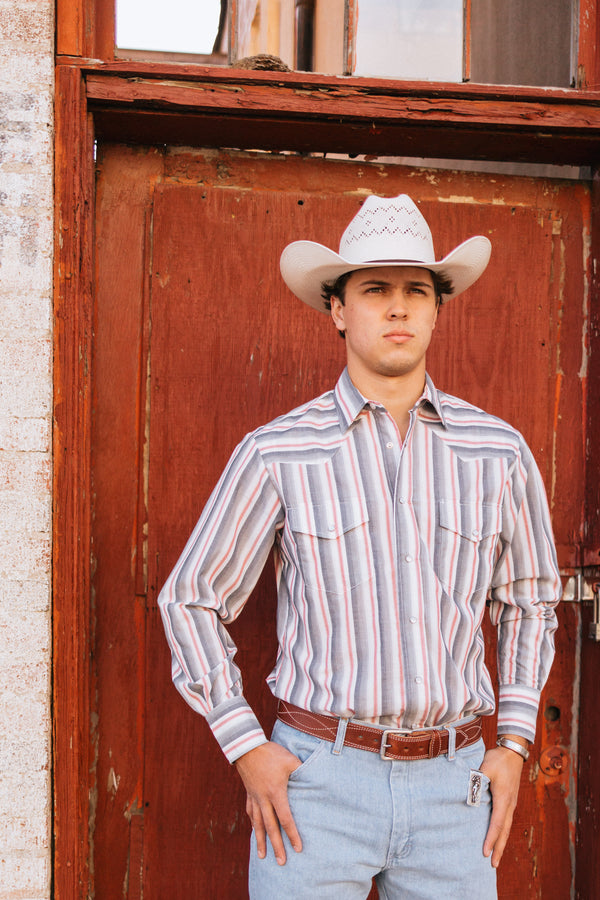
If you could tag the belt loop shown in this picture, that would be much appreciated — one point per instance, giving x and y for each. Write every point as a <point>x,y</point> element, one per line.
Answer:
<point>451,741</point>
<point>340,737</point>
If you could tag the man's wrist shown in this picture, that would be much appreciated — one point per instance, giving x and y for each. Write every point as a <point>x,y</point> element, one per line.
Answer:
<point>515,743</point>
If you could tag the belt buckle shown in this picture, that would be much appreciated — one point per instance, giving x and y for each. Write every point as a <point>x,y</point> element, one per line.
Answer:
<point>384,743</point>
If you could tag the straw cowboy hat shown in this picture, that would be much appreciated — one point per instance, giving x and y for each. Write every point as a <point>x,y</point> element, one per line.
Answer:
<point>386,231</point>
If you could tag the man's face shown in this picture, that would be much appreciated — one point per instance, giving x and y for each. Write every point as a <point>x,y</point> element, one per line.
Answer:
<point>388,316</point>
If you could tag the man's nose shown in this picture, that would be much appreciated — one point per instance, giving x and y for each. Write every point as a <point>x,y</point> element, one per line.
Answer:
<point>397,307</point>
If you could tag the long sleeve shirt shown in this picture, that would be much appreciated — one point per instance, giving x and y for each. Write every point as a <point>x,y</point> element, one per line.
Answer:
<point>387,553</point>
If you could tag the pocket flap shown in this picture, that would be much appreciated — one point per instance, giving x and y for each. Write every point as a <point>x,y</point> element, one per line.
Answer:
<point>473,521</point>
<point>324,521</point>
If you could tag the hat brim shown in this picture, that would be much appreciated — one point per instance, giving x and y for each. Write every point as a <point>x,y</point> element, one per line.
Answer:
<point>305,265</point>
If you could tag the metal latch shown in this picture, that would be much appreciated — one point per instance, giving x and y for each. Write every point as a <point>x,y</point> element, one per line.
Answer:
<point>594,632</point>
<point>581,589</point>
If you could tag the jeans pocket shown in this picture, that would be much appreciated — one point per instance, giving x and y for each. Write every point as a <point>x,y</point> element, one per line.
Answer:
<point>470,757</point>
<point>306,747</point>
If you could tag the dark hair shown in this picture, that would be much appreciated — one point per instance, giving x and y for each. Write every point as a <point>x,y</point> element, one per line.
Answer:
<point>335,288</point>
<point>441,285</point>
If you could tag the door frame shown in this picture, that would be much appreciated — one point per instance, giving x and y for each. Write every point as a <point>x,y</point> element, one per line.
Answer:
<point>199,105</point>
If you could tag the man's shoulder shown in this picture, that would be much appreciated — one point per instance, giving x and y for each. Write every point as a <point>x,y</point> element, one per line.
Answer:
<point>314,418</point>
<point>462,417</point>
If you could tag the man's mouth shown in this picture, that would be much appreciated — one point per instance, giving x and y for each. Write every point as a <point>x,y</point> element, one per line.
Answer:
<point>398,337</point>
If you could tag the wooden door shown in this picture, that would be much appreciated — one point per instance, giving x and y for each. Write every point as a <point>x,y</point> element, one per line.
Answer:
<point>197,341</point>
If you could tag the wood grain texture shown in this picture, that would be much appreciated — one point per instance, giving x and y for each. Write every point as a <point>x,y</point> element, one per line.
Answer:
<point>72,488</point>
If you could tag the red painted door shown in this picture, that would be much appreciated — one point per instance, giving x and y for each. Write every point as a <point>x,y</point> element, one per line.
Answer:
<point>196,342</point>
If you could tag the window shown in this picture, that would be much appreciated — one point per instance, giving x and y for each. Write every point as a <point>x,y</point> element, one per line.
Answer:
<point>521,42</point>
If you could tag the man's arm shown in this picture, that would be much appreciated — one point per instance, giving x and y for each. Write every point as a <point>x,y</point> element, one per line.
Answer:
<point>525,590</point>
<point>503,767</point>
<point>207,590</point>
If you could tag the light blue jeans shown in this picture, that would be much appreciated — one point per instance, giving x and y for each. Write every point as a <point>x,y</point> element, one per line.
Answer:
<point>406,824</point>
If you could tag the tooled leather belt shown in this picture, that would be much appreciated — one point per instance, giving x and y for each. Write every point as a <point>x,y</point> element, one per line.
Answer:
<point>389,743</point>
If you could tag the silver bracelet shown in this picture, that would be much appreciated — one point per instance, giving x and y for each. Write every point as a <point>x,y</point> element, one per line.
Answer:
<point>513,745</point>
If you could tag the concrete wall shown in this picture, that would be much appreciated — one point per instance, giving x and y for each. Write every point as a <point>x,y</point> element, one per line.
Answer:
<point>26,88</point>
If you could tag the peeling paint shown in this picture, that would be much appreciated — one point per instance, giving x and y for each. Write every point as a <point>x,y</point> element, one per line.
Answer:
<point>587,252</point>
<point>113,781</point>
<point>572,796</point>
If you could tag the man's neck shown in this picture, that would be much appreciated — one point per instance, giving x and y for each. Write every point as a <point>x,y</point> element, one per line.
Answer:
<point>397,393</point>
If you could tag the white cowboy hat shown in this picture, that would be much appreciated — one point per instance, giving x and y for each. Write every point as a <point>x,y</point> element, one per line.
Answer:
<point>386,231</point>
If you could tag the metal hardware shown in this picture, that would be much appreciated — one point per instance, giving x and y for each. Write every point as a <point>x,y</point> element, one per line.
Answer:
<point>594,632</point>
<point>577,589</point>
<point>384,741</point>
<point>580,588</point>
<point>554,761</point>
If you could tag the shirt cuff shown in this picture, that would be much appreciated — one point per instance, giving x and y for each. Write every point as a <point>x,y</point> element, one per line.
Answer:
<point>517,710</point>
<point>236,728</point>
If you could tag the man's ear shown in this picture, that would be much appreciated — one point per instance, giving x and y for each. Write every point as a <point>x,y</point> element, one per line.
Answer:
<point>337,313</point>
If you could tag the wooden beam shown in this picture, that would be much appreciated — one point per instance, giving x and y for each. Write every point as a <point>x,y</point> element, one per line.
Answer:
<point>85,29</point>
<point>347,101</point>
<point>72,624</point>
<point>588,40</point>
<point>241,109</point>
<point>591,375</point>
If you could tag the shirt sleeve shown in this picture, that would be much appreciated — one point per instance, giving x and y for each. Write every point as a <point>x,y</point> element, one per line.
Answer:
<point>524,592</point>
<point>209,587</point>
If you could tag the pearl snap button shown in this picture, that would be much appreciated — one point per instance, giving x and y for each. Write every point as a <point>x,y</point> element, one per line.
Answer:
<point>418,680</point>
<point>408,558</point>
<point>413,620</point>
<point>389,445</point>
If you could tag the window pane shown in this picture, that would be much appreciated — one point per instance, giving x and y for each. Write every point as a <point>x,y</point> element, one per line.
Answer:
<point>413,39</point>
<point>513,42</point>
<point>177,26</point>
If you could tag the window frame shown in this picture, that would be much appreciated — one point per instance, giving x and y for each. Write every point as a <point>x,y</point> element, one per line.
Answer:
<point>86,30</point>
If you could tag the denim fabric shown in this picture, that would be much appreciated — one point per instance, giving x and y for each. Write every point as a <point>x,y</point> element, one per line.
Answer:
<point>406,824</point>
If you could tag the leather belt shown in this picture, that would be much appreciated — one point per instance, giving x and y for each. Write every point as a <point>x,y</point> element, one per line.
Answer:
<point>390,743</point>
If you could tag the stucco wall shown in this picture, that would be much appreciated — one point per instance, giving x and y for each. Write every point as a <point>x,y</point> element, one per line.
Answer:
<point>26,85</point>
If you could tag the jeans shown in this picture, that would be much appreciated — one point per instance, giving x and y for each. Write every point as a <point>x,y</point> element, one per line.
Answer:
<point>406,824</point>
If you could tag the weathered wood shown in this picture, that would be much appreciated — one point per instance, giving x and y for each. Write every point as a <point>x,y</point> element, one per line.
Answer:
<point>119,470</point>
<point>587,826</point>
<point>588,806</point>
<point>299,112</point>
<point>341,115</point>
<point>354,99</point>
<point>85,29</point>
<point>72,488</point>
<point>162,811</point>
<point>590,374</point>
<point>588,60</point>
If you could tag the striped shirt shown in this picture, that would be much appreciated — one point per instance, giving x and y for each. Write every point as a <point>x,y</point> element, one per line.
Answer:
<point>386,555</point>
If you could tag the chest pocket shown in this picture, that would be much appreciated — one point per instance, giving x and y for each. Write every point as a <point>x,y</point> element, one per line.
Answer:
<point>331,546</point>
<point>465,545</point>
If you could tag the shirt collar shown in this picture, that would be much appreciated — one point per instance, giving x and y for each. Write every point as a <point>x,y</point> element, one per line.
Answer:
<point>431,395</point>
<point>350,402</point>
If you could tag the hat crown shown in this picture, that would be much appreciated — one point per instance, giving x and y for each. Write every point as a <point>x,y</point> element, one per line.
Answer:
<point>388,229</point>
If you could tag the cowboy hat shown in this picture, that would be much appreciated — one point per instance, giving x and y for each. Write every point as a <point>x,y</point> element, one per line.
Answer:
<point>386,231</point>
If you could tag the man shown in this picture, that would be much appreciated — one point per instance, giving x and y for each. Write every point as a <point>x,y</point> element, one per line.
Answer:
<point>396,513</point>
